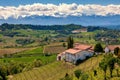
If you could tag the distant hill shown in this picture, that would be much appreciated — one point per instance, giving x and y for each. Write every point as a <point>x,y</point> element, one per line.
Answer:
<point>112,26</point>
<point>68,27</point>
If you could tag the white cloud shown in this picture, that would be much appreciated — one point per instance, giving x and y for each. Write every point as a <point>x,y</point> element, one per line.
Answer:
<point>61,10</point>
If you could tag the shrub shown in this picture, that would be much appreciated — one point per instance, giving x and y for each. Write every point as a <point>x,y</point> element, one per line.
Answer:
<point>37,63</point>
<point>98,48</point>
<point>24,41</point>
<point>116,50</point>
<point>85,77</point>
<point>3,72</point>
<point>78,73</point>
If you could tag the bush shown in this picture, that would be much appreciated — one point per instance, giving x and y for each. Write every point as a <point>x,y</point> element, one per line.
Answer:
<point>3,72</point>
<point>85,77</point>
<point>24,41</point>
<point>78,73</point>
<point>116,50</point>
<point>37,63</point>
<point>98,48</point>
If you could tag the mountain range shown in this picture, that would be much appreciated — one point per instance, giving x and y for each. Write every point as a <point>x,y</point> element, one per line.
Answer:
<point>85,20</point>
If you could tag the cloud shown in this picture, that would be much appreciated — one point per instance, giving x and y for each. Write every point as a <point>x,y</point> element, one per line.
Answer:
<point>61,10</point>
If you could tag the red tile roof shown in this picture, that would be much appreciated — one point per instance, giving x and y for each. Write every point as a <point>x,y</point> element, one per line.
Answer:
<point>77,48</point>
<point>72,51</point>
<point>112,47</point>
<point>82,47</point>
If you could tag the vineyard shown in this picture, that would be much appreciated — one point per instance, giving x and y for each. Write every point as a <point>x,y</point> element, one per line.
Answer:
<point>12,50</point>
<point>27,55</point>
<point>54,49</point>
<point>57,70</point>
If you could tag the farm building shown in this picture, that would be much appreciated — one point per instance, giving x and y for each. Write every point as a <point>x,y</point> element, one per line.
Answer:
<point>79,52</point>
<point>79,30</point>
<point>110,48</point>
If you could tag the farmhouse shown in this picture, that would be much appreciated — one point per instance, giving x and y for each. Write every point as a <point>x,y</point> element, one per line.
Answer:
<point>79,30</point>
<point>110,48</point>
<point>79,52</point>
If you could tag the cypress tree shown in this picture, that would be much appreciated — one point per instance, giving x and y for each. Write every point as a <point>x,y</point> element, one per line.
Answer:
<point>70,42</point>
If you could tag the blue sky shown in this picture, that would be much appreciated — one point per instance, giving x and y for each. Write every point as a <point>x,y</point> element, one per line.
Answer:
<point>23,2</point>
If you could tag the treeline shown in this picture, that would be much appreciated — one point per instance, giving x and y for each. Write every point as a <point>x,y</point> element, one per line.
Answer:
<point>68,27</point>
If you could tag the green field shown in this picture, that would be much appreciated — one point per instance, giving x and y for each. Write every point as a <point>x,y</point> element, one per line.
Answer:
<point>30,56</point>
<point>37,50</point>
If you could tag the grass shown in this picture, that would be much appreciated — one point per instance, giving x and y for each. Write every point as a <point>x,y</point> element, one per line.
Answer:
<point>33,51</point>
<point>57,70</point>
<point>44,59</point>
<point>36,51</point>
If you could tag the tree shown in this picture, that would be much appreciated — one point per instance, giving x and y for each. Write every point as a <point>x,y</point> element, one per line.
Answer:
<point>111,64</point>
<point>117,66</point>
<point>116,51</point>
<point>78,73</point>
<point>103,66</point>
<point>95,72</point>
<point>64,45</point>
<point>3,72</point>
<point>70,42</point>
<point>118,55</point>
<point>98,48</point>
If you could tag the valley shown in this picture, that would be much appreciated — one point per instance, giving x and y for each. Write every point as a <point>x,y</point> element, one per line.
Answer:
<point>29,52</point>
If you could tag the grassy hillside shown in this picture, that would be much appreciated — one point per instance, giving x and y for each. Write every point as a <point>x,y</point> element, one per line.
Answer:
<point>57,70</point>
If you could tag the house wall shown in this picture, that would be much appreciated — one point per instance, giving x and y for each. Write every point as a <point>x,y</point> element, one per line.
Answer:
<point>80,55</point>
<point>62,56</point>
<point>70,57</point>
<point>107,50</point>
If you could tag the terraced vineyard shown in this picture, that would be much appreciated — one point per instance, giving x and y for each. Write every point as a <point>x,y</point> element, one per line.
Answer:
<point>54,49</point>
<point>56,70</point>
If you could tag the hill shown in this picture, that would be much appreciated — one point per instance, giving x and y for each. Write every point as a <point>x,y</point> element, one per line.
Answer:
<point>57,70</point>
